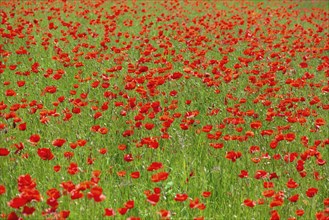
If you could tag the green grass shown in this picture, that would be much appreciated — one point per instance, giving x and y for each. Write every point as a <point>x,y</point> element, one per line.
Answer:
<point>187,154</point>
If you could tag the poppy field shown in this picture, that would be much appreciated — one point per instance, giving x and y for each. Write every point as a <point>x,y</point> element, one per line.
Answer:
<point>164,109</point>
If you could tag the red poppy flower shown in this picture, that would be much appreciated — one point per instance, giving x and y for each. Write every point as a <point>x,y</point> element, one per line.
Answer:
<point>76,194</point>
<point>2,126</point>
<point>164,213</point>
<point>153,199</point>
<point>17,202</point>
<point>321,162</point>
<point>256,124</point>
<point>102,151</point>
<point>130,86</point>
<point>12,67</point>
<point>73,145</point>
<point>267,132</point>
<point>206,194</point>
<point>261,174</point>
<point>268,185</point>
<point>294,198</point>
<point>276,202</point>
<point>97,115</point>
<point>73,169</point>
<point>254,149</point>
<point>58,142</point>
<point>50,89</point>
<point>103,130</point>
<point>135,175</point>
<point>274,144</point>
<point>155,166</point>
<point>207,128</point>
<point>2,189</point>
<point>233,156</point>
<point>57,168</point>
<point>4,151</point>
<point>326,202</point>
<point>121,173</point>
<point>45,154</point>
<point>109,212</point>
<point>142,69</point>
<point>127,133</point>
<point>243,174</point>
<point>320,122</point>
<point>275,215</point>
<point>68,154</point>
<point>96,193</point>
<point>130,204</point>
<point>10,92</point>
<point>122,147</point>
<point>64,214</point>
<point>300,212</point>
<point>76,110</point>
<point>311,192</point>
<point>303,65</point>
<point>82,142</point>
<point>194,203</point>
<point>22,127</point>
<point>53,193</point>
<point>25,182</point>
<point>12,216</point>
<point>157,190</point>
<point>217,145</point>
<point>181,197</point>
<point>173,93</point>
<point>183,126</point>
<point>67,117</point>
<point>176,75</point>
<point>34,138</point>
<point>149,126</point>
<point>28,210</point>
<point>122,211</point>
<point>35,67</point>
<point>128,157</point>
<point>161,176</point>
<point>290,137</point>
<point>292,184</point>
<point>20,83</point>
<point>249,203</point>
<point>268,193</point>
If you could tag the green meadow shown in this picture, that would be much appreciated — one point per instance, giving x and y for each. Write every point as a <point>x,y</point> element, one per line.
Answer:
<point>164,109</point>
